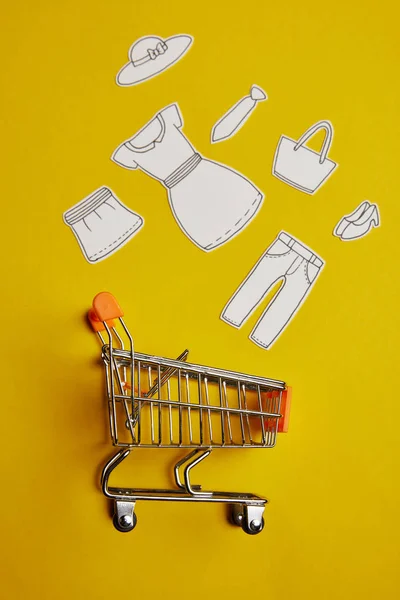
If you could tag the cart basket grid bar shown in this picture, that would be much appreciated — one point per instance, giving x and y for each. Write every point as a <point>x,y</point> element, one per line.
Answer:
<point>124,358</point>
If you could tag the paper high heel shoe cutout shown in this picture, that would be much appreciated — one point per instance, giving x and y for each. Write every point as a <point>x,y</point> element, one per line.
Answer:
<point>358,223</point>
<point>150,55</point>
<point>233,120</point>
<point>102,224</point>
<point>211,202</point>
<point>354,216</point>
<point>301,167</point>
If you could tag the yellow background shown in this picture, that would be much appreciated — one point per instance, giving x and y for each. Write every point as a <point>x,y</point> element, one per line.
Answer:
<point>332,526</point>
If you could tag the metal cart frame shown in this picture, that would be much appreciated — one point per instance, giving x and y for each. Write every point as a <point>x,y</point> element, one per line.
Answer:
<point>185,406</point>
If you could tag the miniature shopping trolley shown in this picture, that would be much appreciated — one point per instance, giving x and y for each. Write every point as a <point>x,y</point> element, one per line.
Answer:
<point>157,402</point>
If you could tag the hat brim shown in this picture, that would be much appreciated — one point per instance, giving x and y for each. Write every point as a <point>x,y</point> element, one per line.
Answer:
<point>177,47</point>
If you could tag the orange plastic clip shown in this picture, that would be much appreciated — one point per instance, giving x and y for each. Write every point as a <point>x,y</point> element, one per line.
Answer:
<point>286,400</point>
<point>106,307</point>
<point>96,324</point>
<point>129,387</point>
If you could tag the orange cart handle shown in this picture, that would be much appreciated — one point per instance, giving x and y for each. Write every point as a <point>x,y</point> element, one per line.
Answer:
<point>106,307</point>
<point>95,322</point>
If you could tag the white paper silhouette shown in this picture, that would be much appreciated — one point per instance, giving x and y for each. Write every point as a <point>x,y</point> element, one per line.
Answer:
<point>102,224</point>
<point>236,117</point>
<point>150,55</point>
<point>301,167</point>
<point>211,202</point>
<point>358,223</point>
<point>286,260</point>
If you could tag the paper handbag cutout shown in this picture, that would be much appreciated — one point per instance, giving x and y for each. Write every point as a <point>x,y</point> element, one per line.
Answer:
<point>301,167</point>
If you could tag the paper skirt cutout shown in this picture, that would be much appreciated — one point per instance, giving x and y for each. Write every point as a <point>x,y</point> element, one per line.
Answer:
<point>102,224</point>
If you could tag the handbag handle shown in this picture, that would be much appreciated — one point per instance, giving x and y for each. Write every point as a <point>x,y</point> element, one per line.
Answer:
<point>327,141</point>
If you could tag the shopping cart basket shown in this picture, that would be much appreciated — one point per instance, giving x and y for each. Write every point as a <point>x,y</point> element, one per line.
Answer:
<point>157,402</point>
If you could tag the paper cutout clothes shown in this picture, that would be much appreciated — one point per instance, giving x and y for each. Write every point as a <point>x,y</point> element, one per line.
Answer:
<point>102,224</point>
<point>233,120</point>
<point>211,202</point>
<point>358,223</point>
<point>286,260</point>
<point>150,55</point>
<point>300,166</point>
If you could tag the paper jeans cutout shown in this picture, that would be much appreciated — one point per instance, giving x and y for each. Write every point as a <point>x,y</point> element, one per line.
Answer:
<point>300,166</point>
<point>286,259</point>
<point>102,224</point>
<point>210,201</point>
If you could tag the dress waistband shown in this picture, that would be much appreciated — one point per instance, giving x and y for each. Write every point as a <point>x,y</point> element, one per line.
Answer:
<point>183,171</point>
<point>300,249</point>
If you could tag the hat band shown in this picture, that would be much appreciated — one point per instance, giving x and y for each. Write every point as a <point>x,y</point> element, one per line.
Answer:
<point>183,171</point>
<point>152,54</point>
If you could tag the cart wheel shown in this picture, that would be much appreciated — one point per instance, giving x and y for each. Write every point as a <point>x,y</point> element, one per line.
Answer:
<point>236,515</point>
<point>125,523</point>
<point>254,527</point>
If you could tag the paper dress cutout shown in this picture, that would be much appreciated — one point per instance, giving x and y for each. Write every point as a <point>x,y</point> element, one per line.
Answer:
<point>236,117</point>
<point>150,55</point>
<point>301,167</point>
<point>356,225</point>
<point>210,202</point>
<point>102,224</point>
<point>286,260</point>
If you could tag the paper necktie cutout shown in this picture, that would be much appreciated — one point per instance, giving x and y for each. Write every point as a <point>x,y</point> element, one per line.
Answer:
<point>233,120</point>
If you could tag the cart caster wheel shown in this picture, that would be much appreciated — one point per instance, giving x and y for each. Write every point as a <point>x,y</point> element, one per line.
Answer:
<point>253,527</point>
<point>236,515</point>
<point>125,523</point>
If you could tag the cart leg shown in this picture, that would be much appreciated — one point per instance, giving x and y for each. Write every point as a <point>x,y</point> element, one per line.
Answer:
<point>109,468</point>
<point>186,474</point>
<point>198,456</point>
<point>179,464</point>
<point>124,515</point>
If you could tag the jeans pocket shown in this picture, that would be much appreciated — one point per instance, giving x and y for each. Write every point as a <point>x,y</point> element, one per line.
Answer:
<point>278,248</point>
<point>311,272</point>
